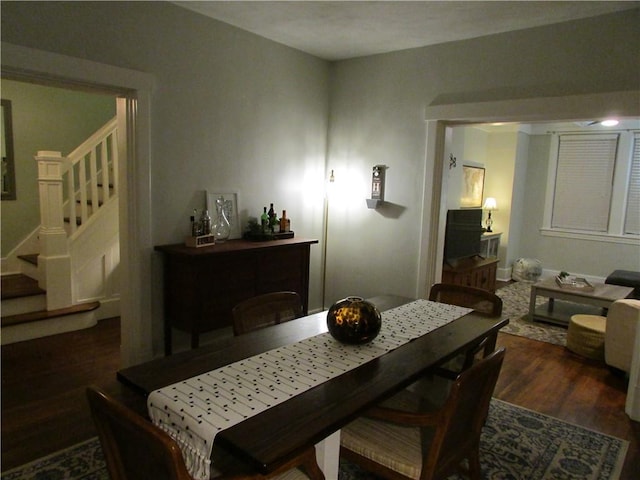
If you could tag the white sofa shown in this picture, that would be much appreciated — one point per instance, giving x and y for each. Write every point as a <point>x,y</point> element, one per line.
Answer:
<point>622,321</point>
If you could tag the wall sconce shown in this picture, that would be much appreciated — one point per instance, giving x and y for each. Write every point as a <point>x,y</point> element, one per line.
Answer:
<point>490,204</point>
<point>377,186</point>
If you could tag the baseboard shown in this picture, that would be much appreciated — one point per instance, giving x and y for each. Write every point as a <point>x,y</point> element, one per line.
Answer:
<point>503,274</point>
<point>108,309</point>
<point>45,328</point>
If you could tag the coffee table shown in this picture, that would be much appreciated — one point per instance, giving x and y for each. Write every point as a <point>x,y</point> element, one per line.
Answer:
<point>572,300</point>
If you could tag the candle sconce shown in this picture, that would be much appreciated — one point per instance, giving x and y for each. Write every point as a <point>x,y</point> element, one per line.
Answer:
<point>377,186</point>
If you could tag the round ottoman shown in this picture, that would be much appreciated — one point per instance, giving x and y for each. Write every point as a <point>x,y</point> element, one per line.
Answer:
<point>585,336</point>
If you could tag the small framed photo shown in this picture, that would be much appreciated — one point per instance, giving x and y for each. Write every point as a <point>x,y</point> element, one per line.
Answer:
<point>230,209</point>
<point>472,186</point>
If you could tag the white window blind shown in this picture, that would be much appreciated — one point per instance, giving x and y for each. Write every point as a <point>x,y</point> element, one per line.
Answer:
<point>632,215</point>
<point>584,181</point>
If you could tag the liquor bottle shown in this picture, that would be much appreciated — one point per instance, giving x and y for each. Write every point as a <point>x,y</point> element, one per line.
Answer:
<point>196,226</point>
<point>205,220</point>
<point>285,223</point>
<point>264,220</point>
<point>272,214</point>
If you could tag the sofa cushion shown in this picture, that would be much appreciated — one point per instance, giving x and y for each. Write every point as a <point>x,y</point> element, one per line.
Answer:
<point>625,278</point>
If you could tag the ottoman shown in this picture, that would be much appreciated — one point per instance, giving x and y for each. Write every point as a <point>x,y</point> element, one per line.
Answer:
<point>626,278</point>
<point>585,336</point>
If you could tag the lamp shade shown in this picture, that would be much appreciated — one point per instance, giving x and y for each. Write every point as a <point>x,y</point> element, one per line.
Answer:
<point>490,204</point>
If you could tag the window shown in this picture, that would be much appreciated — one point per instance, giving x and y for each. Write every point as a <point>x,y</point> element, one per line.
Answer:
<point>632,216</point>
<point>594,185</point>
<point>584,182</point>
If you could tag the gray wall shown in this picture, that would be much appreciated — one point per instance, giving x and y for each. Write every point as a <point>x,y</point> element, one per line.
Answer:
<point>233,110</point>
<point>44,118</point>
<point>572,255</point>
<point>377,116</point>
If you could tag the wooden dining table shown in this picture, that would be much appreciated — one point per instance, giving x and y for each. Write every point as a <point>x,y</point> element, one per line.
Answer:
<point>267,439</point>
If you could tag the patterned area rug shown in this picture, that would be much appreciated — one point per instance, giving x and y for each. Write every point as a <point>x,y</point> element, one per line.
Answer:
<point>515,305</point>
<point>516,444</point>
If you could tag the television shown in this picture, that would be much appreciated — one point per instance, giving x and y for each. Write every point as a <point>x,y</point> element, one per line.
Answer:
<point>462,235</point>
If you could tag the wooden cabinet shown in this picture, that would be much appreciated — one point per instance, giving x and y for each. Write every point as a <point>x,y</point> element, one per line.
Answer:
<point>202,285</point>
<point>475,272</point>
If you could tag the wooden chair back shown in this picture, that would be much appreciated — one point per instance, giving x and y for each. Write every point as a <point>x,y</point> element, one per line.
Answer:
<point>483,302</point>
<point>446,436</point>
<point>266,310</point>
<point>464,414</point>
<point>133,447</point>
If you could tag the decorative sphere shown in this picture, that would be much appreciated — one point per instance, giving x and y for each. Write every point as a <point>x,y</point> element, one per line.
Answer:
<point>354,320</point>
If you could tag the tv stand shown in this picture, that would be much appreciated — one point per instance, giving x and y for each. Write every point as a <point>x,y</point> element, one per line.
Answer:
<point>474,271</point>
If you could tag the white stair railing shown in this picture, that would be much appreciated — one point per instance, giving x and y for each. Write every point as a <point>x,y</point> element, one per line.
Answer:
<point>86,177</point>
<point>91,175</point>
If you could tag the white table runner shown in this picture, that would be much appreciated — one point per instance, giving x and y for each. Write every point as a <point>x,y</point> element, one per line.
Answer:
<point>193,411</point>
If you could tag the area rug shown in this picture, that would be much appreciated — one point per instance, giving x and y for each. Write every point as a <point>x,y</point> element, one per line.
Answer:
<point>516,444</point>
<point>515,305</point>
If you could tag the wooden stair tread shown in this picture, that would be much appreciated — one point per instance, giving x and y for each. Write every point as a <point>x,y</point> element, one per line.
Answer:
<point>19,285</point>
<point>46,314</point>
<point>30,258</point>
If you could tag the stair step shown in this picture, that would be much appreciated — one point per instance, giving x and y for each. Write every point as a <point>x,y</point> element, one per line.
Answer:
<point>19,285</point>
<point>31,258</point>
<point>11,320</point>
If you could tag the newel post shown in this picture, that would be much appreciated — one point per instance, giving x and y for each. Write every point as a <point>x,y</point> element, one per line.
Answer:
<point>54,261</point>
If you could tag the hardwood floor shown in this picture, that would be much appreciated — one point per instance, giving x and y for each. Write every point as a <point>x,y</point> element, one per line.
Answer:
<point>44,407</point>
<point>43,389</point>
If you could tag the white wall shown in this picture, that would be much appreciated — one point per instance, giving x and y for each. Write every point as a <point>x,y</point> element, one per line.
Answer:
<point>233,110</point>
<point>44,118</point>
<point>577,256</point>
<point>377,116</point>
<point>230,111</point>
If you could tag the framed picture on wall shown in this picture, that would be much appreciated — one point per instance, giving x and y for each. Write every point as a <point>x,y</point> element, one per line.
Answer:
<point>472,186</point>
<point>230,210</point>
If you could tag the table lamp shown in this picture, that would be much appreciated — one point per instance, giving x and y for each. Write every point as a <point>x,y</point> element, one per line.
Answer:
<point>490,204</point>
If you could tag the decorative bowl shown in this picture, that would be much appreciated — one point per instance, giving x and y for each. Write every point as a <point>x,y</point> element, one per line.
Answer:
<point>354,320</point>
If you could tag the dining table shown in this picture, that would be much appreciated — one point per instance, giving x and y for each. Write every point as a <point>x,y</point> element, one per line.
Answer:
<point>314,417</point>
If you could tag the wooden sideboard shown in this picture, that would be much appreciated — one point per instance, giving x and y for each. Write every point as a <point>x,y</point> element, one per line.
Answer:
<point>202,285</point>
<point>475,272</point>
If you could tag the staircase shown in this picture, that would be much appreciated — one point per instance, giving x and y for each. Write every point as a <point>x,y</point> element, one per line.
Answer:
<point>72,281</point>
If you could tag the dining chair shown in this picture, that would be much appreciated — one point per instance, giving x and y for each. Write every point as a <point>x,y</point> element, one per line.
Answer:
<point>266,310</point>
<point>135,449</point>
<point>404,438</point>
<point>482,302</point>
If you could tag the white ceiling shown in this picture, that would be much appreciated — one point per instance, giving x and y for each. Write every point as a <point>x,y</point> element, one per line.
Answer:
<point>337,30</point>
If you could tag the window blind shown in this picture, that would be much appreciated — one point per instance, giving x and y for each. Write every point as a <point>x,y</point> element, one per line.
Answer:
<point>584,181</point>
<point>632,215</point>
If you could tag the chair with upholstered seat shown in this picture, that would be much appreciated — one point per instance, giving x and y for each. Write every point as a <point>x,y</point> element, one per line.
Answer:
<point>266,310</point>
<point>404,439</point>
<point>482,302</point>
<point>135,449</point>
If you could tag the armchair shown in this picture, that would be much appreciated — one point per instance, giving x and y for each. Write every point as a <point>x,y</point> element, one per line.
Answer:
<point>622,321</point>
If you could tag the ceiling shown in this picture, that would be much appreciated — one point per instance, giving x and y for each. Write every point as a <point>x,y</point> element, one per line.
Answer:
<point>346,29</point>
